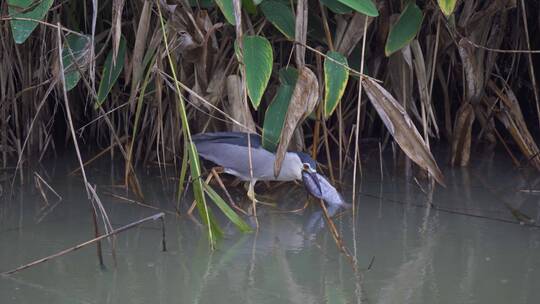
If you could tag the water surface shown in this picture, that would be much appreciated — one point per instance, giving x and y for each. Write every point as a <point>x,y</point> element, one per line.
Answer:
<point>420,253</point>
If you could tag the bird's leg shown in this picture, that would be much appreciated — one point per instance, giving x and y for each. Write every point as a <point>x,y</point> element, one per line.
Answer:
<point>251,195</point>
<point>215,172</point>
<point>251,191</point>
<point>267,200</point>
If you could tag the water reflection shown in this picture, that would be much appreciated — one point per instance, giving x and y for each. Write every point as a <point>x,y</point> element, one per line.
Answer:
<point>423,252</point>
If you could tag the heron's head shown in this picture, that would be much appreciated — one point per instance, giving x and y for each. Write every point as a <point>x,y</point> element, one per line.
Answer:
<point>309,175</point>
<point>308,164</point>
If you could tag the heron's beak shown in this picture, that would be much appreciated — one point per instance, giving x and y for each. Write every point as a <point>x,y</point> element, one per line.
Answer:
<point>311,182</point>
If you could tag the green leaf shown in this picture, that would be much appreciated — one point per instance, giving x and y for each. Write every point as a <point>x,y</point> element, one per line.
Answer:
<point>250,6</point>
<point>288,76</point>
<point>110,73</point>
<point>405,29</point>
<point>366,7</point>
<point>258,58</point>
<point>274,117</point>
<point>280,15</point>
<point>222,205</point>
<point>214,232</point>
<point>447,6</point>
<point>75,47</point>
<point>30,9</point>
<point>337,7</point>
<point>335,81</point>
<point>201,3</point>
<point>227,8</point>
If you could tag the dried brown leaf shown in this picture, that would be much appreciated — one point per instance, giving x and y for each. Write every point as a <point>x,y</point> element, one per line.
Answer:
<point>116,28</point>
<point>461,139</point>
<point>351,33</point>
<point>422,80</point>
<point>512,118</point>
<point>138,50</point>
<point>303,101</point>
<point>237,108</point>
<point>474,75</point>
<point>402,128</point>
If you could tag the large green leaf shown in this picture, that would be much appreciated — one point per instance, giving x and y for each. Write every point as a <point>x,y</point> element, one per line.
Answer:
<point>447,6</point>
<point>258,59</point>
<point>335,81</point>
<point>250,6</point>
<point>29,9</point>
<point>277,110</point>
<point>201,3</point>
<point>227,8</point>
<point>280,15</point>
<point>288,76</point>
<point>405,29</point>
<point>366,7</point>
<point>222,205</point>
<point>75,47</point>
<point>337,7</point>
<point>111,72</point>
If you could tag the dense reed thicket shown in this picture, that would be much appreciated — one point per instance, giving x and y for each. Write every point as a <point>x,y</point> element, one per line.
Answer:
<point>141,76</point>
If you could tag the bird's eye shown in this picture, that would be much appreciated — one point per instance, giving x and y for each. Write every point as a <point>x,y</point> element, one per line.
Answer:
<point>306,166</point>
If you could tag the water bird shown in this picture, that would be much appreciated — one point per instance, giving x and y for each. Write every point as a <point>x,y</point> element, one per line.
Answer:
<point>229,150</point>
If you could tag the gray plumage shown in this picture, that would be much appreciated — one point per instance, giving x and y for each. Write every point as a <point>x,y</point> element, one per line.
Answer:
<point>230,151</point>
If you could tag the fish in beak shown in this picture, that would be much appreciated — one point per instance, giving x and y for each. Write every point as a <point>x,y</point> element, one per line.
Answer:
<point>318,186</point>
<point>311,181</point>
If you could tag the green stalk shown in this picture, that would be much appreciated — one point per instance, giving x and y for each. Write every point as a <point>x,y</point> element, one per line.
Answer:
<point>204,212</point>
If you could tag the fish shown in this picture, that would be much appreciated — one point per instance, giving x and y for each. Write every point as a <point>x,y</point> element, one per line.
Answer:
<point>318,186</point>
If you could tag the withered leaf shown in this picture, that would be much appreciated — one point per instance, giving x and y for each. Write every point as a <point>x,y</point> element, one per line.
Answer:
<point>461,139</point>
<point>303,100</point>
<point>402,128</point>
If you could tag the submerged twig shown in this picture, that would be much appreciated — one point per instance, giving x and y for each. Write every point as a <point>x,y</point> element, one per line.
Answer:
<point>94,240</point>
<point>337,237</point>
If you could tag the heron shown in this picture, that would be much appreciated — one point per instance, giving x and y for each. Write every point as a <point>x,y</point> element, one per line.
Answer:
<point>229,150</point>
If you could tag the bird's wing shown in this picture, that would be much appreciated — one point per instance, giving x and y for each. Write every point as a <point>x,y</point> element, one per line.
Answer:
<point>232,138</point>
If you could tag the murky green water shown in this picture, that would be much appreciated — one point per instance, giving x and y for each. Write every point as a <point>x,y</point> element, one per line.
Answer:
<point>421,255</point>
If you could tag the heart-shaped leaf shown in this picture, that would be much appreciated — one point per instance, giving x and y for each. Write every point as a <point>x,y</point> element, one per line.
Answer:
<point>447,6</point>
<point>335,80</point>
<point>336,6</point>
<point>277,110</point>
<point>29,9</point>
<point>111,72</point>
<point>258,58</point>
<point>74,55</point>
<point>366,7</point>
<point>405,29</point>
<point>280,15</point>
<point>227,8</point>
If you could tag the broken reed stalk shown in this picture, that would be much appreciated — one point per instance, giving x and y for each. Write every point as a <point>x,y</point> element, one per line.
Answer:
<point>337,238</point>
<point>358,108</point>
<point>74,138</point>
<point>154,217</point>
